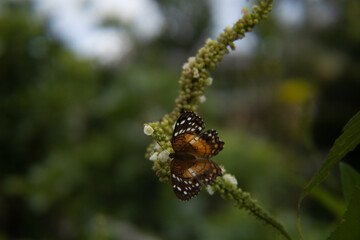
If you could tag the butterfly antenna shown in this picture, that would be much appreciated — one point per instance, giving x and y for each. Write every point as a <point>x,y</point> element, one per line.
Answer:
<point>162,147</point>
<point>159,144</point>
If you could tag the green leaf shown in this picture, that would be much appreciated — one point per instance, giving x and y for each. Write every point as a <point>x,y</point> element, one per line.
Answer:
<point>349,178</point>
<point>349,229</point>
<point>334,204</point>
<point>343,144</point>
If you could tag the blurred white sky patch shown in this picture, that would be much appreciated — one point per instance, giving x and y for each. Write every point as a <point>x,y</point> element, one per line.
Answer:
<point>226,13</point>
<point>78,23</point>
<point>107,45</point>
<point>294,14</point>
<point>290,13</point>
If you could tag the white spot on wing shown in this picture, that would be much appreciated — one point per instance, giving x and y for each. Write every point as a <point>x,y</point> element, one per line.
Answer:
<point>192,171</point>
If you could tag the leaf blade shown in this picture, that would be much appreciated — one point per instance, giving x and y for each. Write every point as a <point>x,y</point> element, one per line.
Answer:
<point>347,141</point>
<point>349,229</point>
<point>350,179</point>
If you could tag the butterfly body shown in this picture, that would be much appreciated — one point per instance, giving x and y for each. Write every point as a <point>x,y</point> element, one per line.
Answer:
<point>191,165</point>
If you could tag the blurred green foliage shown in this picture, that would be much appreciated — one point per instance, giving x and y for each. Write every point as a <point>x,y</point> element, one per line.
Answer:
<point>72,147</point>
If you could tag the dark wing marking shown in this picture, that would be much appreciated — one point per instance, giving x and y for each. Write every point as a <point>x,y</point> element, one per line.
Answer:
<point>207,144</point>
<point>206,171</point>
<point>186,176</point>
<point>188,123</point>
<point>184,184</point>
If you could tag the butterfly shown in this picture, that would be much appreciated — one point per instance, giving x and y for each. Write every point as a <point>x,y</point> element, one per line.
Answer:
<point>191,165</point>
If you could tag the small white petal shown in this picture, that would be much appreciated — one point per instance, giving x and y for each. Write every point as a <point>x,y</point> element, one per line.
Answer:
<point>230,179</point>
<point>223,170</point>
<point>210,189</point>
<point>157,147</point>
<point>163,156</point>
<point>154,156</point>
<point>191,60</point>
<point>209,81</point>
<point>196,73</point>
<point>186,67</point>
<point>148,130</point>
<point>202,99</point>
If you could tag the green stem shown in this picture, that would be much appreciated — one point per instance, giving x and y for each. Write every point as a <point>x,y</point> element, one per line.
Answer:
<point>244,201</point>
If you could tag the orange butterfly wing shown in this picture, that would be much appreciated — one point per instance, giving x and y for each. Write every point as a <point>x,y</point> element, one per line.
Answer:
<point>187,176</point>
<point>207,144</point>
<point>191,164</point>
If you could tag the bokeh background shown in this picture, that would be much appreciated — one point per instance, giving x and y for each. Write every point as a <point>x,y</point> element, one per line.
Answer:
<point>78,78</point>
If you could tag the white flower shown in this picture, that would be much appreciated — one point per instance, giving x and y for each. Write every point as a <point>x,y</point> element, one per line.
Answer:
<point>230,179</point>
<point>196,73</point>
<point>157,147</point>
<point>148,130</point>
<point>163,156</point>
<point>187,69</point>
<point>202,99</point>
<point>191,60</point>
<point>154,156</point>
<point>209,81</point>
<point>186,66</point>
<point>210,189</point>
